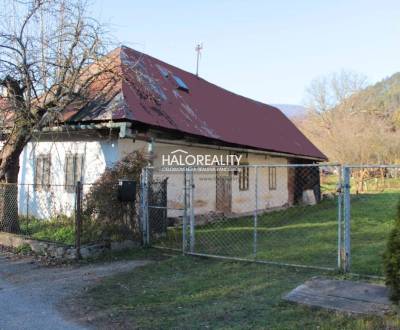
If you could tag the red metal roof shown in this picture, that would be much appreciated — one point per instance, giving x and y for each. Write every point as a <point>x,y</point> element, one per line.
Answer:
<point>149,94</point>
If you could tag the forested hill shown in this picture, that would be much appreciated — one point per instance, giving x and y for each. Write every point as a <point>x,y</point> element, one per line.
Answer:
<point>351,124</point>
<point>383,99</point>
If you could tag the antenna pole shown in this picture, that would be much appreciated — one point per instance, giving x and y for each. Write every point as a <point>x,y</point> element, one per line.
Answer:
<point>198,49</point>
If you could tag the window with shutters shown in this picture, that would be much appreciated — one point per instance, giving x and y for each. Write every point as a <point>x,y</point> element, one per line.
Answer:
<point>73,170</point>
<point>272,178</point>
<point>42,172</point>
<point>244,178</point>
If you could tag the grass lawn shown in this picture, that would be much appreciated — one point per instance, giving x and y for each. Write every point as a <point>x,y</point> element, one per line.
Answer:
<point>195,293</point>
<point>60,230</point>
<point>372,217</point>
<point>305,235</point>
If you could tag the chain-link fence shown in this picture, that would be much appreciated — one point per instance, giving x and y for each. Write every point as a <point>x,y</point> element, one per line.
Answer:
<point>71,215</point>
<point>166,204</point>
<point>372,199</point>
<point>324,216</point>
<point>285,214</point>
<point>43,212</point>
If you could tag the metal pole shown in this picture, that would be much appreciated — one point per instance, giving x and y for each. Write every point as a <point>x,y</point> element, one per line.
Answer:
<point>347,236</point>
<point>185,213</point>
<point>255,216</point>
<point>144,207</point>
<point>78,219</point>
<point>340,196</point>
<point>27,210</point>
<point>191,205</point>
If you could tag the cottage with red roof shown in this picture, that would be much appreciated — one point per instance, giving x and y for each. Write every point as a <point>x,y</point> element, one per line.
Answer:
<point>160,108</point>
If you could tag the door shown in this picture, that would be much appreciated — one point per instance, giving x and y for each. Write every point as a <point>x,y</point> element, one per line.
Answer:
<point>224,192</point>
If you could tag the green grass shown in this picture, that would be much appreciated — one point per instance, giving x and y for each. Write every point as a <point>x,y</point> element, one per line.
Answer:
<point>196,293</point>
<point>372,218</point>
<point>60,230</point>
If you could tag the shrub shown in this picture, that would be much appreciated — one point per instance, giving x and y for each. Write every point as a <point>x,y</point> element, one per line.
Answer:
<point>24,248</point>
<point>105,217</point>
<point>392,260</point>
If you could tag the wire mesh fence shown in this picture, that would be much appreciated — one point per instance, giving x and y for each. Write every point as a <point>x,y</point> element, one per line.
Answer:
<point>309,215</point>
<point>284,214</point>
<point>68,214</point>
<point>374,193</point>
<point>166,199</point>
<point>43,212</point>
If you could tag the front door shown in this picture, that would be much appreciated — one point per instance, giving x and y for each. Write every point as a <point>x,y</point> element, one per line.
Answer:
<point>224,191</point>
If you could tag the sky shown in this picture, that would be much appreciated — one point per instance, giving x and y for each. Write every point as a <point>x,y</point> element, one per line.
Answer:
<point>266,50</point>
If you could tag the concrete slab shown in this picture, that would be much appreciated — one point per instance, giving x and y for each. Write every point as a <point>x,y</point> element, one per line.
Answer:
<point>345,296</point>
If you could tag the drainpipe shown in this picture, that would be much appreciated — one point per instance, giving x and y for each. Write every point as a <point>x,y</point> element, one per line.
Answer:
<point>150,151</point>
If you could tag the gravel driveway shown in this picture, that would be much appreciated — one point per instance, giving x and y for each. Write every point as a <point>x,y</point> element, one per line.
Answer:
<point>30,292</point>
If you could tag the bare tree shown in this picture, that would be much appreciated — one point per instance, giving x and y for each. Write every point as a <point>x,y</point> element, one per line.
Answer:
<point>51,60</point>
<point>341,126</point>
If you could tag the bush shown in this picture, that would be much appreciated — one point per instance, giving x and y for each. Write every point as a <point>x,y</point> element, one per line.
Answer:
<point>24,248</point>
<point>105,217</point>
<point>392,260</point>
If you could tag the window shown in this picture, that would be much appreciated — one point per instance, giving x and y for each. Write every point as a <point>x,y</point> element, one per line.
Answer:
<point>181,84</point>
<point>163,71</point>
<point>42,172</point>
<point>73,170</point>
<point>272,178</point>
<point>244,178</point>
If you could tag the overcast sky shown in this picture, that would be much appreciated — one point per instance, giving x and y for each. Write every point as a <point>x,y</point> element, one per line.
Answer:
<point>266,50</point>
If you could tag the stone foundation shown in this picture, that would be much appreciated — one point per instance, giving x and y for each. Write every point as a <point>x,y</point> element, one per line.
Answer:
<point>61,251</point>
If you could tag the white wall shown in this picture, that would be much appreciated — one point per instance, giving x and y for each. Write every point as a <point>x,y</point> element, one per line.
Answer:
<point>205,183</point>
<point>99,154</point>
<point>245,201</point>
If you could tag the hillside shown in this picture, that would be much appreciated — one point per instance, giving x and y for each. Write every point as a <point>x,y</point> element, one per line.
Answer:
<point>358,129</point>
<point>382,98</point>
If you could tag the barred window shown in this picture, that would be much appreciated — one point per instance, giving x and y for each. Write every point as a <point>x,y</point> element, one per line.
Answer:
<point>244,178</point>
<point>73,170</point>
<point>42,172</point>
<point>272,178</point>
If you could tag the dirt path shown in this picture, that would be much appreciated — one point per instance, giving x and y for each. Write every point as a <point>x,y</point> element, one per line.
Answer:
<point>30,292</point>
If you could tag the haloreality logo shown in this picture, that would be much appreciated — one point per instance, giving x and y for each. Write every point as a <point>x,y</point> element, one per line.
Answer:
<point>181,157</point>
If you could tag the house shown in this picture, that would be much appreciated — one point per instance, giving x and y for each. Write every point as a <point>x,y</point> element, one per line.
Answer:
<point>160,108</point>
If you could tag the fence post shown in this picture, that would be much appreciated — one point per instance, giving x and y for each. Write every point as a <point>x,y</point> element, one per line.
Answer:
<point>347,218</point>
<point>145,207</point>
<point>185,213</point>
<point>78,219</point>
<point>340,219</point>
<point>255,216</point>
<point>27,210</point>
<point>191,206</point>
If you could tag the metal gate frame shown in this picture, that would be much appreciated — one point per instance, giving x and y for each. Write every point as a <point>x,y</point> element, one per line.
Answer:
<point>188,221</point>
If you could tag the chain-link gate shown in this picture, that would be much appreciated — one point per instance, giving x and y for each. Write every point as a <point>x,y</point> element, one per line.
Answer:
<point>371,197</point>
<point>283,214</point>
